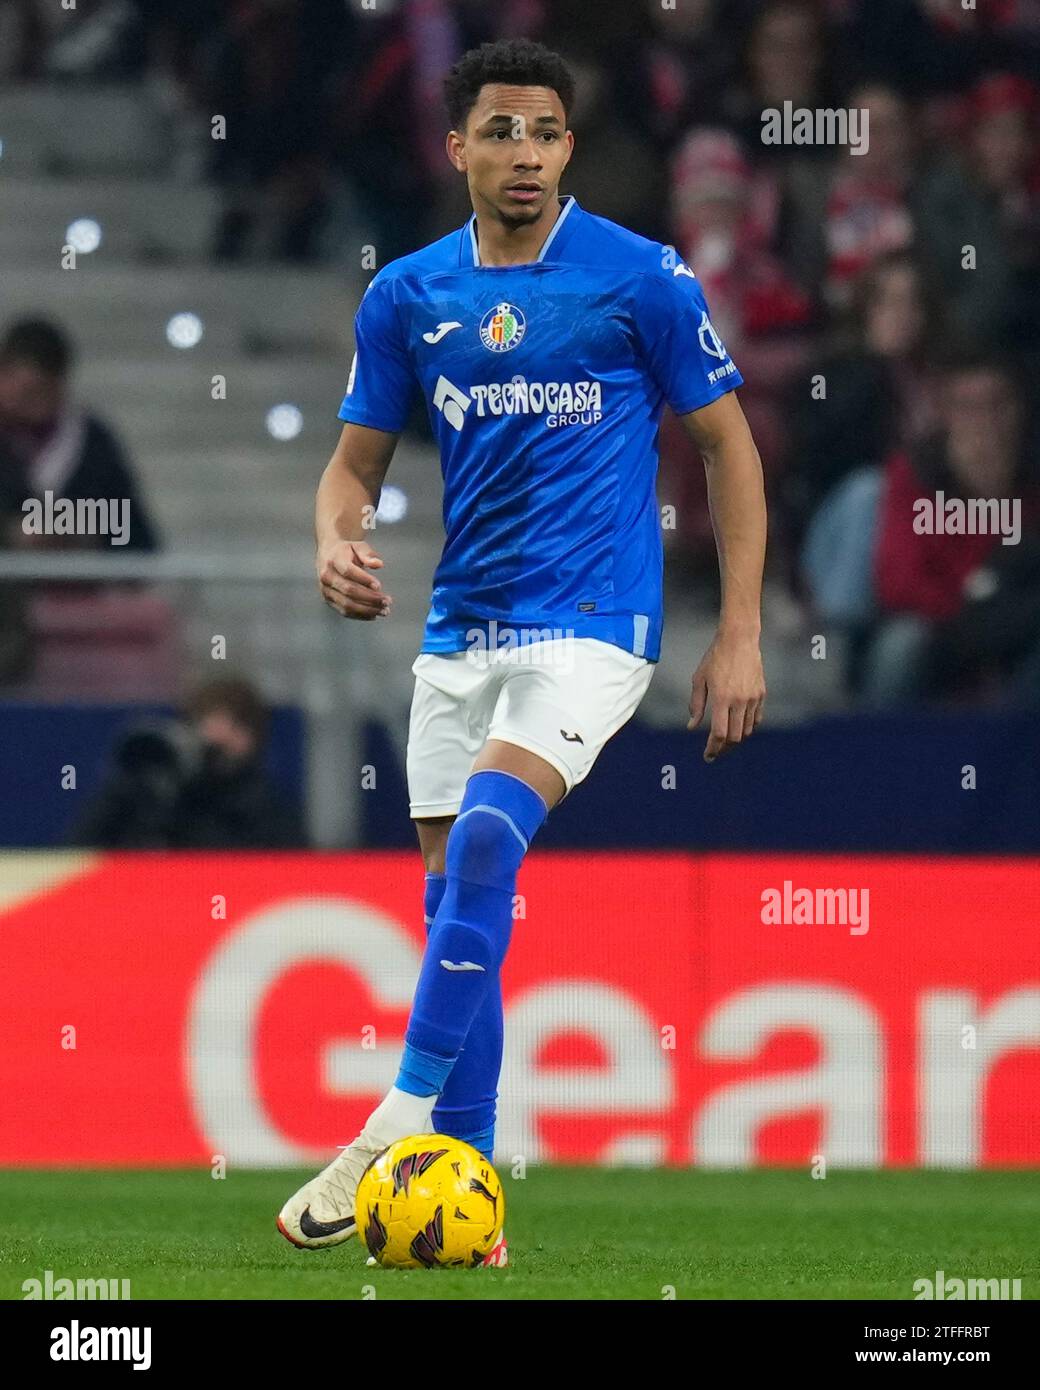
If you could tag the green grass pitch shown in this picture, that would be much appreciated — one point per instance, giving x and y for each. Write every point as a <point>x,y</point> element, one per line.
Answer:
<point>574,1233</point>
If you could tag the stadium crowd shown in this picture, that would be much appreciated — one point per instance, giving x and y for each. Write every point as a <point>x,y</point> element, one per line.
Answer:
<point>883,305</point>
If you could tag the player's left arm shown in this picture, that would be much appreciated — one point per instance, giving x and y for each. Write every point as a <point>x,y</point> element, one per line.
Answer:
<point>730,676</point>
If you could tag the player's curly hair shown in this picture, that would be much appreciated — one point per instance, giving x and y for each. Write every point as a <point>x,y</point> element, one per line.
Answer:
<point>519,61</point>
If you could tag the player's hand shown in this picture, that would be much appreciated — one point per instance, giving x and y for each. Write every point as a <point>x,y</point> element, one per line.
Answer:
<point>347,585</point>
<point>731,678</point>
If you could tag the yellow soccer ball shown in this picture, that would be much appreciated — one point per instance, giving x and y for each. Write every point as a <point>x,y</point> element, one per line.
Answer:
<point>429,1201</point>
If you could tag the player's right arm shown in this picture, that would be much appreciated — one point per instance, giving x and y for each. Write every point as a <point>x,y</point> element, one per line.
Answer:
<point>375,409</point>
<point>348,495</point>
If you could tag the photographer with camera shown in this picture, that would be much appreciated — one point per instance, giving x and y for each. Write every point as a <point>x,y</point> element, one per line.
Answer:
<point>197,782</point>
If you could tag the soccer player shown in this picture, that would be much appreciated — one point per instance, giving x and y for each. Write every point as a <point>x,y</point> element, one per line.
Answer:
<point>545,341</point>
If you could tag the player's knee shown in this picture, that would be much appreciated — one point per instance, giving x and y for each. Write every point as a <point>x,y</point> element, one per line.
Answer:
<point>485,848</point>
<point>498,819</point>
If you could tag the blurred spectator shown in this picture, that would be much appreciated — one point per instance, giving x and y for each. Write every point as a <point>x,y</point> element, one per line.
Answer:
<point>382,121</point>
<point>16,644</point>
<point>618,172</point>
<point>723,214</point>
<point>230,802</point>
<point>867,212</point>
<point>267,71</point>
<point>931,46</point>
<point>1018,20</point>
<point>136,807</point>
<point>871,391</point>
<point>51,447</point>
<point>197,783</point>
<point>985,202</point>
<point>108,40</point>
<point>929,583</point>
<point>787,56</point>
<point>51,444</point>
<point>846,209</point>
<point>1004,155</point>
<point>22,39</point>
<point>900,44</point>
<point>619,168</point>
<point>688,53</point>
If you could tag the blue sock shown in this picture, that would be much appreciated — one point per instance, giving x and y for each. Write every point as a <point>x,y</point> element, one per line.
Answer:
<point>498,818</point>
<point>423,1073</point>
<point>466,1108</point>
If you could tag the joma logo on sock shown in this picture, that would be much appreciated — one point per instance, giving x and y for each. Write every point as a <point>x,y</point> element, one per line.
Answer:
<point>461,965</point>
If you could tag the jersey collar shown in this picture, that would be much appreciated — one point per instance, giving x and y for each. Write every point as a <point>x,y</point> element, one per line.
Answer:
<point>471,251</point>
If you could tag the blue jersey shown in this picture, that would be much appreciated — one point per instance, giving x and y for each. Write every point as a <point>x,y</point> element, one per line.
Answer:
<point>544,385</point>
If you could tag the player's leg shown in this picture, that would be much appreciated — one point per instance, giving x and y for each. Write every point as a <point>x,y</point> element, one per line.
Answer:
<point>575,693</point>
<point>562,701</point>
<point>450,711</point>
<point>460,905</point>
<point>500,813</point>
<point>466,1106</point>
<point>590,689</point>
<point>581,695</point>
<point>433,841</point>
<point>500,755</point>
<point>449,723</point>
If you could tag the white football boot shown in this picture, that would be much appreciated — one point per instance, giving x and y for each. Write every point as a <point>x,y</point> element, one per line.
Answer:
<point>322,1212</point>
<point>499,1256</point>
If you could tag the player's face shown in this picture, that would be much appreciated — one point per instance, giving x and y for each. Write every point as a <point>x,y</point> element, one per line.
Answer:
<point>513,149</point>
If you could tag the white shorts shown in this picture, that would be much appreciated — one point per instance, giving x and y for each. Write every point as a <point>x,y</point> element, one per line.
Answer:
<point>561,699</point>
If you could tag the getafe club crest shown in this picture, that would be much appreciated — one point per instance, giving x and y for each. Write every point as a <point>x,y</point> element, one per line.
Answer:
<point>502,328</point>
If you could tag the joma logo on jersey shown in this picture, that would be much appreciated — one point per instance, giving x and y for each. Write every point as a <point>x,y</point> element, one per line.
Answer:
<point>561,402</point>
<point>502,328</point>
